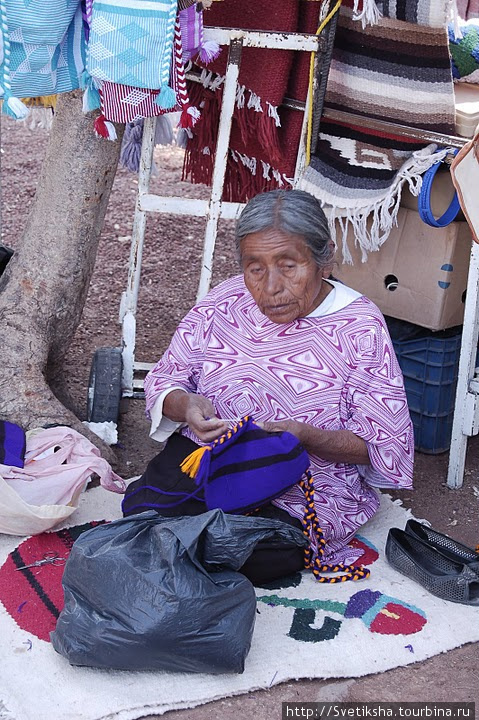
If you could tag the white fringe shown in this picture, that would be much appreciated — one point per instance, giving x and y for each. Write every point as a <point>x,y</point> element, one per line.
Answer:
<point>278,177</point>
<point>273,113</point>
<point>371,224</point>
<point>254,102</point>
<point>248,162</point>
<point>217,82</point>
<point>453,17</point>
<point>240,100</point>
<point>252,164</point>
<point>369,15</point>
<point>39,117</point>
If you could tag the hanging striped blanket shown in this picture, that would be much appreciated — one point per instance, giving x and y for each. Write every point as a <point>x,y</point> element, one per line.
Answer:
<point>398,70</point>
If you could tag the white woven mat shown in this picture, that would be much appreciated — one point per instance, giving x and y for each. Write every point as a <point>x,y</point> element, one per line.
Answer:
<point>306,630</point>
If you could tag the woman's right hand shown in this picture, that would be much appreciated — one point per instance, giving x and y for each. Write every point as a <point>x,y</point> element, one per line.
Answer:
<point>200,416</point>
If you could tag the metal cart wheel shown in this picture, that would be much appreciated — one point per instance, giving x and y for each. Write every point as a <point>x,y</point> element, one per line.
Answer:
<point>104,386</point>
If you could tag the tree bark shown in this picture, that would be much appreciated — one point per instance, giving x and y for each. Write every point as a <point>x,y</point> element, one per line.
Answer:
<point>44,288</point>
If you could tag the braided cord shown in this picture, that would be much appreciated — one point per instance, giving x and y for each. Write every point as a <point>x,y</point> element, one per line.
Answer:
<point>313,562</point>
<point>182,92</point>
<point>6,51</point>
<point>170,33</point>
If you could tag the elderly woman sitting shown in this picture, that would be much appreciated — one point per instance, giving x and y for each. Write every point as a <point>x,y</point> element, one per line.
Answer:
<point>298,352</point>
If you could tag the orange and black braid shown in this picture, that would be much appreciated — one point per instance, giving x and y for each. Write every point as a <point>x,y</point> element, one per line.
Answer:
<point>313,562</point>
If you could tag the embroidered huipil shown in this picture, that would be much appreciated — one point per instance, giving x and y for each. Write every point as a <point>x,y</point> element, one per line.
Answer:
<point>337,371</point>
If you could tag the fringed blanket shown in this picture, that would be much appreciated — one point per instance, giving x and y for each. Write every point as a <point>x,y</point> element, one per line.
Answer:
<point>265,133</point>
<point>398,70</point>
<point>255,160</point>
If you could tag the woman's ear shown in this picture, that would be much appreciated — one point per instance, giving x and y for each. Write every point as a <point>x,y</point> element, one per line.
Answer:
<point>328,269</point>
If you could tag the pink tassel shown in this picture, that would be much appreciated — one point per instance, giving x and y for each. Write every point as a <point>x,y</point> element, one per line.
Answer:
<point>104,128</point>
<point>209,50</point>
<point>189,117</point>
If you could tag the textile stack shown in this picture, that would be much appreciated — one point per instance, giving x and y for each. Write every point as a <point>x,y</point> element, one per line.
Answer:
<point>397,70</point>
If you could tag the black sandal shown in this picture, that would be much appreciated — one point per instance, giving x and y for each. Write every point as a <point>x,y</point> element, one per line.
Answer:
<point>454,550</point>
<point>435,571</point>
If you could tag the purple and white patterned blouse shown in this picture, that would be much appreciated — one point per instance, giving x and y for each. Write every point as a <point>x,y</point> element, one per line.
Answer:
<point>336,371</point>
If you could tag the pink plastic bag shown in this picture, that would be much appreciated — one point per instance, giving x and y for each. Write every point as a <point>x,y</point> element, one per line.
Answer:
<point>58,464</point>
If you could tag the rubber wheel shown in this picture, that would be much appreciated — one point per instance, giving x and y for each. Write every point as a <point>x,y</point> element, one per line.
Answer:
<point>104,386</point>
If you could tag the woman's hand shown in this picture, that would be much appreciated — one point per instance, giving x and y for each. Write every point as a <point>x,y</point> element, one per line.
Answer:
<point>336,445</point>
<point>292,426</point>
<point>197,412</point>
<point>200,415</point>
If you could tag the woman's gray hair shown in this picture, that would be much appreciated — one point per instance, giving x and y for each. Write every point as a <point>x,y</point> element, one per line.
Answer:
<point>291,211</point>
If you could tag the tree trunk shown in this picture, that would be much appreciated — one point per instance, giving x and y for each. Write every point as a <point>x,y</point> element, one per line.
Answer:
<point>44,288</point>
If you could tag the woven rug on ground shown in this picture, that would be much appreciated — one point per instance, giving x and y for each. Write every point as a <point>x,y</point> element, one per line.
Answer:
<point>398,70</point>
<point>303,630</point>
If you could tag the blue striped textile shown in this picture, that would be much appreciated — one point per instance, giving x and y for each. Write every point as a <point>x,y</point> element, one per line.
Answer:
<point>131,42</point>
<point>47,46</point>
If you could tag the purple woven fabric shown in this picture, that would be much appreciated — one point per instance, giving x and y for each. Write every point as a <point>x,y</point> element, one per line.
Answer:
<point>191,23</point>
<point>12,444</point>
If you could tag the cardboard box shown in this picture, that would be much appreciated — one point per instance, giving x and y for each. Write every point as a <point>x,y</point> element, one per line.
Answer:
<point>467,108</point>
<point>418,275</point>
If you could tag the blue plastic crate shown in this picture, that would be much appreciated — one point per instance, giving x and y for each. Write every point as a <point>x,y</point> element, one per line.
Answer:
<point>430,367</point>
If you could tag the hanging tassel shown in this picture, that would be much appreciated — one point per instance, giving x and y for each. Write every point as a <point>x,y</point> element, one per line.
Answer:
<point>189,117</point>
<point>14,107</point>
<point>209,51</point>
<point>104,128</point>
<point>182,138</point>
<point>131,146</point>
<point>91,96</point>
<point>191,464</point>
<point>91,99</point>
<point>166,98</point>
<point>163,130</point>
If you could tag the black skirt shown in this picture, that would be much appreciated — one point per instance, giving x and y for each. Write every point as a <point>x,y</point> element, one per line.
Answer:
<point>163,487</point>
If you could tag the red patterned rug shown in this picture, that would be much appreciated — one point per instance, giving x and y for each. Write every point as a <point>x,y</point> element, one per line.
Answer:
<point>303,629</point>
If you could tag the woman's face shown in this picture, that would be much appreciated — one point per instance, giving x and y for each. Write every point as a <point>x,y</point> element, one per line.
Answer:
<point>281,275</point>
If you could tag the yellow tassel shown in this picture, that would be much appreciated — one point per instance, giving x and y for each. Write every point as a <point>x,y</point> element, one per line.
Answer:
<point>48,101</point>
<point>191,463</point>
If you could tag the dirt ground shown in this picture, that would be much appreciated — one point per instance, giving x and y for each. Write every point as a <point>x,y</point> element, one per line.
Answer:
<point>170,274</point>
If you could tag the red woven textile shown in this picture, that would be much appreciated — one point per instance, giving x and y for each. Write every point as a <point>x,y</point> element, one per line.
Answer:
<point>264,136</point>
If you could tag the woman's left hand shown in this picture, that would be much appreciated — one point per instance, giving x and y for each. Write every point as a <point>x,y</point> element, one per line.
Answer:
<point>335,445</point>
<point>292,426</point>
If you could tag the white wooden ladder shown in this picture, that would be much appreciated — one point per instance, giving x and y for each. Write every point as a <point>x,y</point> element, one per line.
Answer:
<point>212,209</point>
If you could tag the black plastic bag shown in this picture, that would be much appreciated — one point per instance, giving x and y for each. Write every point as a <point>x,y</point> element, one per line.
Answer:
<point>149,592</point>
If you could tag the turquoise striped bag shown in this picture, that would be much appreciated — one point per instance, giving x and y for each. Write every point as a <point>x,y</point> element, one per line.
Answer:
<point>131,43</point>
<point>43,50</point>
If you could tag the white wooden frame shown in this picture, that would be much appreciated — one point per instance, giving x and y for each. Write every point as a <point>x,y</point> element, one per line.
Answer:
<point>212,209</point>
<point>466,409</point>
